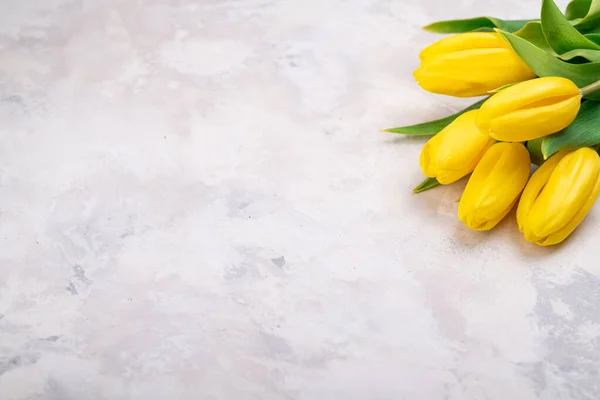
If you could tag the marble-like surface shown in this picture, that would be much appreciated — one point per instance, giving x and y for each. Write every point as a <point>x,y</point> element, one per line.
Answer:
<point>196,203</point>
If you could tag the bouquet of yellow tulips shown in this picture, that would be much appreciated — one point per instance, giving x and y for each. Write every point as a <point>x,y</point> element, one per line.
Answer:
<point>542,79</point>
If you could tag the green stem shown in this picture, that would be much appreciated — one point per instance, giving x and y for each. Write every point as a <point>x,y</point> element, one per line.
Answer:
<point>590,88</point>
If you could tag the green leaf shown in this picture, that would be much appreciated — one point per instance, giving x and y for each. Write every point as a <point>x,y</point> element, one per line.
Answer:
<point>432,127</point>
<point>475,24</point>
<point>428,183</point>
<point>592,29</point>
<point>590,55</point>
<point>544,64</point>
<point>562,36</point>
<point>535,150</point>
<point>594,37</point>
<point>532,32</point>
<point>577,9</point>
<point>591,19</point>
<point>582,132</point>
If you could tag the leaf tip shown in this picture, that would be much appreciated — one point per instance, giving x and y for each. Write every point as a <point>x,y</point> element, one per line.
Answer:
<point>437,27</point>
<point>420,189</point>
<point>546,153</point>
<point>429,27</point>
<point>428,183</point>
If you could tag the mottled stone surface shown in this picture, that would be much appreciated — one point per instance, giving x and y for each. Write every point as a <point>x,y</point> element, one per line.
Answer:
<point>196,203</point>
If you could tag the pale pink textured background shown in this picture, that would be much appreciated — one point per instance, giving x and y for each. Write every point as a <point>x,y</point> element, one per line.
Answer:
<point>196,203</point>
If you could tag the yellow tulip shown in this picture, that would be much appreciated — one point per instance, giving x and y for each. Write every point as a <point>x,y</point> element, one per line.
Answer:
<point>470,64</point>
<point>530,110</point>
<point>494,186</point>
<point>559,195</point>
<point>455,150</point>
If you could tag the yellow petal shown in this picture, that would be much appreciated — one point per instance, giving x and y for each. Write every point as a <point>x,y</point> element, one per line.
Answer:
<point>471,72</point>
<point>534,187</point>
<point>531,109</point>
<point>566,192</point>
<point>464,41</point>
<point>535,122</point>
<point>454,152</point>
<point>470,64</point>
<point>494,186</point>
<point>527,94</point>
<point>563,233</point>
<point>425,160</point>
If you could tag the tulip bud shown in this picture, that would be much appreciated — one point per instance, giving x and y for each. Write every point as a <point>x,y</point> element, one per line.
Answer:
<point>470,64</point>
<point>559,195</point>
<point>455,150</point>
<point>530,110</point>
<point>494,186</point>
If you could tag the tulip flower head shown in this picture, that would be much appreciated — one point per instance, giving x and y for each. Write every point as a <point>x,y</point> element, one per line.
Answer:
<point>559,195</point>
<point>455,150</point>
<point>530,110</point>
<point>494,186</point>
<point>470,64</point>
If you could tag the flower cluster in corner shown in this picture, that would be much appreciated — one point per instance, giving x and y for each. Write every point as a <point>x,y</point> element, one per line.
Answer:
<point>543,81</point>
